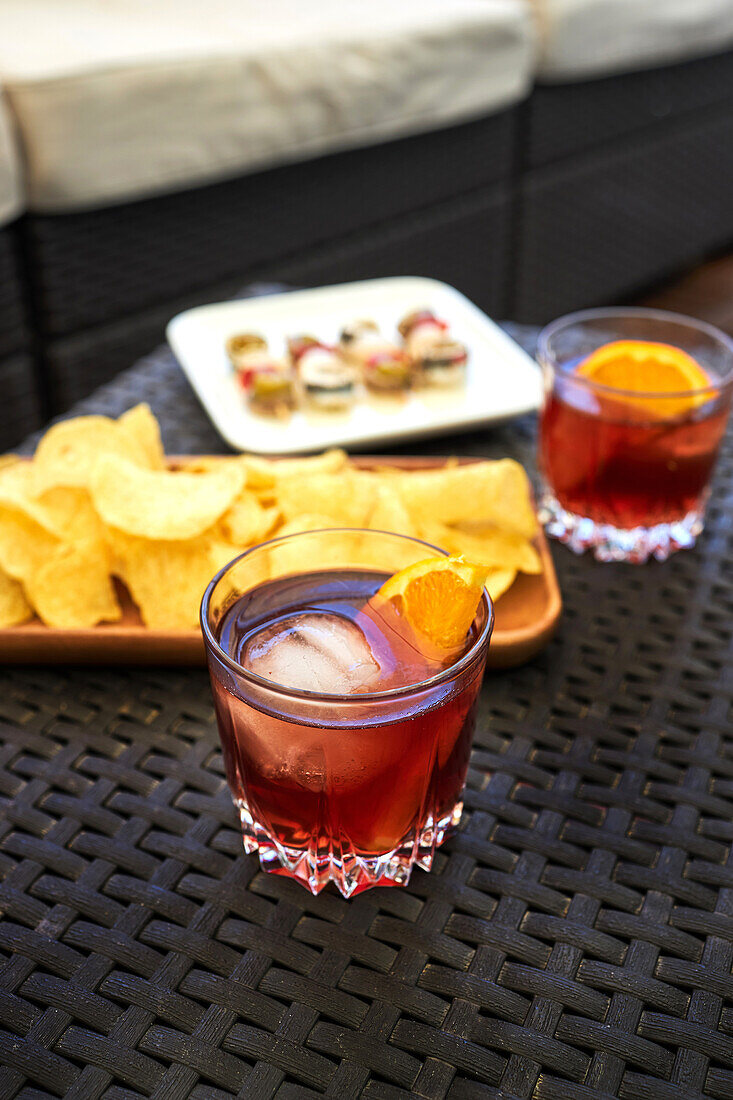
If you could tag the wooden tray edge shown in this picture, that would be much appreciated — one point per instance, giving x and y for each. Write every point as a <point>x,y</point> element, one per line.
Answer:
<point>521,645</point>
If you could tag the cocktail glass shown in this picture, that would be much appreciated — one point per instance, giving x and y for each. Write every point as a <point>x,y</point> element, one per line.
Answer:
<point>354,776</point>
<point>627,473</point>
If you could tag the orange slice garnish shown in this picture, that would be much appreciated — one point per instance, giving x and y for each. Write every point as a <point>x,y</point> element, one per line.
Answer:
<point>648,368</point>
<point>437,598</point>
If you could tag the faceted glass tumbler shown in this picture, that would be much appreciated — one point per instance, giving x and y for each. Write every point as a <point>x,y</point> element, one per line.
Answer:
<point>354,789</point>
<point>626,474</point>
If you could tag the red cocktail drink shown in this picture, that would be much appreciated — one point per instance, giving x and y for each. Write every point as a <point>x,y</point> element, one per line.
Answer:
<point>616,465</point>
<point>626,473</point>
<point>346,748</point>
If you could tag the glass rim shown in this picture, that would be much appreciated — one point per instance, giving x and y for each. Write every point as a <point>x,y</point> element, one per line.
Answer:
<point>453,669</point>
<point>569,319</point>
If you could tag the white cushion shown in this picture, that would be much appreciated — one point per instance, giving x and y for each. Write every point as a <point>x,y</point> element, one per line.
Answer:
<point>10,185</point>
<point>119,99</point>
<point>587,38</point>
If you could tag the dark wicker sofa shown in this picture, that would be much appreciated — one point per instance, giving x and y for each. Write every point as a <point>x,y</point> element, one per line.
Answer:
<point>21,407</point>
<point>623,180</point>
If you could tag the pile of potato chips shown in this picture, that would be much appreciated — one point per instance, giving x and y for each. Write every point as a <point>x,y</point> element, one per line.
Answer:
<point>99,500</point>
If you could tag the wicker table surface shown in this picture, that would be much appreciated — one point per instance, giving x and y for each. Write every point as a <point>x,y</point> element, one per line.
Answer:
<point>575,940</point>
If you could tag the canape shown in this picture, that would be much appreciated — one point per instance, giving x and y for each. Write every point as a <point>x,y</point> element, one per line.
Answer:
<point>248,352</point>
<point>384,365</point>
<point>271,389</point>
<point>327,380</point>
<point>438,358</point>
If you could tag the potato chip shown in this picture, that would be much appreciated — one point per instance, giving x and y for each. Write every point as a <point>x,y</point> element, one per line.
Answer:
<point>247,521</point>
<point>33,509</point>
<point>70,451</point>
<point>167,578</point>
<point>70,511</point>
<point>349,497</point>
<point>25,543</point>
<point>309,521</point>
<point>16,472</point>
<point>266,473</point>
<point>142,427</point>
<point>14,607</point>
<point>390,514</point>
<point>203,464</point>
<point>18,482</point>
<point>499,581</point>
<point>161,504</point>
<point>72,589</point>
<point>495,548</point>
<point>322,553</point>
<point>221,553</point>
<point>285,560</point>
<point>495,492</point>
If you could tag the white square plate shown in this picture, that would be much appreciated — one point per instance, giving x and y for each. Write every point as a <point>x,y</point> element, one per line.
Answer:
<point>502,381</point>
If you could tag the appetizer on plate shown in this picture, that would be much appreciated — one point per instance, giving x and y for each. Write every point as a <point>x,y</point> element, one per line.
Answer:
<point>247,353</point>
<point>327,380</point>
<point>272,388</point>
<point>436,355</point>
<point>384,365</point>
<point>268,381</point>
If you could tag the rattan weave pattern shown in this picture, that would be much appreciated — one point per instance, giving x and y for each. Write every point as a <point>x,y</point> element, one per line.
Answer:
<point>575,940</point>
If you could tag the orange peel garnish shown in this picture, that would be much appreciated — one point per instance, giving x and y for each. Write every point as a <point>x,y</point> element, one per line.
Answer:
<point>437,598</point>
<point>651,370</point>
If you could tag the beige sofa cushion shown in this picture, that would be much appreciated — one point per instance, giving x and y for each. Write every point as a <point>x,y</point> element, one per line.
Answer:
<point>11,199</point>
<point>590,38</point>
<point>120,99</point>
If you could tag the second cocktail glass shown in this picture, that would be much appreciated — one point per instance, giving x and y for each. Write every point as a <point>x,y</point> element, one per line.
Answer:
<point>626,472</point>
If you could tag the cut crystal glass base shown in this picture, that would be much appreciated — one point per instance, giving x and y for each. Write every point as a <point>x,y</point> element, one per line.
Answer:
<point>608,543</point>
<point>315,867</point>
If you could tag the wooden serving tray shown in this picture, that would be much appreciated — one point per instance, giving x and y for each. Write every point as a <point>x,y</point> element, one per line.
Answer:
<point>526,618</point>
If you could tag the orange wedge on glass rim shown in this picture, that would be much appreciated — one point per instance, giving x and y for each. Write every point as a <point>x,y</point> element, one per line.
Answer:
<point>651,370</point>
<point>437,600</point>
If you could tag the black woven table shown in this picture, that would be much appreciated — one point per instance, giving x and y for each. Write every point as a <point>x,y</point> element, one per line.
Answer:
<point>575,940</point>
